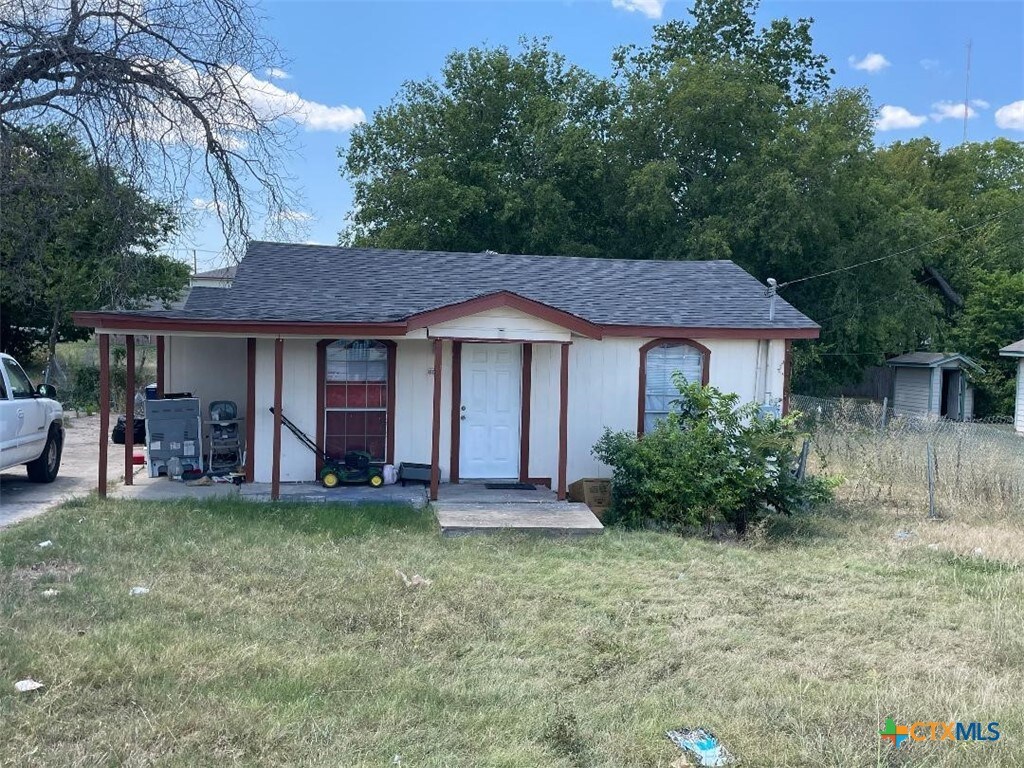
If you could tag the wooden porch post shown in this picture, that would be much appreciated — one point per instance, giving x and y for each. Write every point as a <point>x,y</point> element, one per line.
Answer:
<point>435,437</point>
<point>250,410</point>
<point>129,408</point>
<point>104,351</point>
<point>275,476</point>
<point>453,467</point>
<point>563,422</point>
<point>160,366</point>
<point>787,376</point>
<point>526,387</point>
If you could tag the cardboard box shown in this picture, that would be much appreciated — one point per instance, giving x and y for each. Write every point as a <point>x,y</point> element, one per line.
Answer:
<point>595,492</point>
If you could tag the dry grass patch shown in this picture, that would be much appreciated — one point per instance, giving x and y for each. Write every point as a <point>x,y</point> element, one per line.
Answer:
<point>281,635</point>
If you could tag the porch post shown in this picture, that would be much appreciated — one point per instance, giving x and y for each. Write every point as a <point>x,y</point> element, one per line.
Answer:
<point>250,410</point>
<point>526,387</point>
<point>129,408</point>
<point>104,352</point>
<point>787,376</point>
<point>453,467</point>
<point>435,437</point>
<point>563,422</point>
<point>275,472</point>
<point>159,366</point>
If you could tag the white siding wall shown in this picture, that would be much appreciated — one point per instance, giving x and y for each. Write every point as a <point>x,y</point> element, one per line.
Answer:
<point>911,391</point>
<point>1018,419</point>
<point>603,384</point>
<point>298,393</point>
<point>209,368</point>
<point>500,323</point>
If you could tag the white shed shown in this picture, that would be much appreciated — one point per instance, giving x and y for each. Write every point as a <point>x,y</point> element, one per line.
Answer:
<point>1017,350</point>
<point>933,385</point>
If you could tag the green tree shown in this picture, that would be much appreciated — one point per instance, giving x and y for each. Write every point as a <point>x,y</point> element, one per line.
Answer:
<point>73,236</point>
<point>503,152</point>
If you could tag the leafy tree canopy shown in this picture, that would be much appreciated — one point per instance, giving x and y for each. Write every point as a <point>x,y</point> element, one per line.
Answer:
<point>719,140</point>
<point>73,236</point>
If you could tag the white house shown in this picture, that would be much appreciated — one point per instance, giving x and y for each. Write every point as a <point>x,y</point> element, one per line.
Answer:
<point>1017,350</point>
<point>482,365</point>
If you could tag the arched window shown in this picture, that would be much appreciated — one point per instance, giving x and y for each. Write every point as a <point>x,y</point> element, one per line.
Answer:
<point>356,396</point>
<point>658,361</point>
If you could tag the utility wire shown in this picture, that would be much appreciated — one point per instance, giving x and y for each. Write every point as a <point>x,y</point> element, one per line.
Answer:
<point>905,251</point>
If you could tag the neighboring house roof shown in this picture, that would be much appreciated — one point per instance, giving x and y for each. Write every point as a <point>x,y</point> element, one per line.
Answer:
<point>291,283</point>
<point>1013,350</point>
<point>224,273</point>
<point>932,360</point>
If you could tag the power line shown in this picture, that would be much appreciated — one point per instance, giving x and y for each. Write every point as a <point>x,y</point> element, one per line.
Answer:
<point>904,252</point>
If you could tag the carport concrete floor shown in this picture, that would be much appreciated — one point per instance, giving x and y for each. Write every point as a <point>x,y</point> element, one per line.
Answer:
<point>21,499</point>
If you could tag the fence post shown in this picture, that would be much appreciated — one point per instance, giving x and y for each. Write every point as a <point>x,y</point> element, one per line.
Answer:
<point>801,468</point>
<point>929,458</point>
<point>885,411</point>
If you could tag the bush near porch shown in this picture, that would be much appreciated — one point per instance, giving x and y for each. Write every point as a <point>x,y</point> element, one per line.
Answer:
<point>710,461</point>
<point>280,634</point>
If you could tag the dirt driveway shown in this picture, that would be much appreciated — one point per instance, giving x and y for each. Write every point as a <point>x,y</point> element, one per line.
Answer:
<point>20,499</point>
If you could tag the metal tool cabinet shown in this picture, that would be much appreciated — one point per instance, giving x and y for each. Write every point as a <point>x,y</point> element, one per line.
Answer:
<point>174,428</point>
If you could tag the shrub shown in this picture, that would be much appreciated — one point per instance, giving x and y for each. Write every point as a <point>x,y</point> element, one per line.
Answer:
<point>711,460</point>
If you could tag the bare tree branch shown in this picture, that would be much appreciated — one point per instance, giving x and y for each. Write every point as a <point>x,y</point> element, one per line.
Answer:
<point>168,90</point>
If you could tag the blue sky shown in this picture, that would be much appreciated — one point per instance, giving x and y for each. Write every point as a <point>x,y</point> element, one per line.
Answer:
<point>347,59</point>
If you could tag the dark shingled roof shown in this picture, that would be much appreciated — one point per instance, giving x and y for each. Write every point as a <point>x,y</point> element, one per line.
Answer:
<point>307,283</point>
<point>223,273</point>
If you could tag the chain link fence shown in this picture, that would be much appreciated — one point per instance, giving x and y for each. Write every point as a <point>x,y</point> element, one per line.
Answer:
<point>977,466</point>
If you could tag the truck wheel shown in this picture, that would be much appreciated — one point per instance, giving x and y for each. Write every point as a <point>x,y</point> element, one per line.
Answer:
<point>44,469</point>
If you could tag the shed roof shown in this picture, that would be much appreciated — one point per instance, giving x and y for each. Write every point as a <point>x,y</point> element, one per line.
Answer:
<point>1013,350</point>
<point>932,360</point>
<point>325,284</point>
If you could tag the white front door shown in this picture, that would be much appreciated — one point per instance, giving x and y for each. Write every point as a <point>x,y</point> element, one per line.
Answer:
<point>490,411</point>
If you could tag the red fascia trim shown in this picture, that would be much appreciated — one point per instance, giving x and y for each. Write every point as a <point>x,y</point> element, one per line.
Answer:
<point>506,299</point>
<point>111,321</point>
<point>666,333</point>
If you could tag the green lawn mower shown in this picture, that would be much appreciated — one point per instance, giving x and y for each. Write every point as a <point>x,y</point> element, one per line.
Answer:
<point>355,468</point>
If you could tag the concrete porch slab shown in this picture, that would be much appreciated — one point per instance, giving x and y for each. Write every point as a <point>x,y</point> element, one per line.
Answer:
<point>314,493</point>
<point>476,492</point>
<point>549,518</point>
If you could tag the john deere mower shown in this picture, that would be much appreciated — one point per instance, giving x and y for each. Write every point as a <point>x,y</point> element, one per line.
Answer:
<point>355,468</point>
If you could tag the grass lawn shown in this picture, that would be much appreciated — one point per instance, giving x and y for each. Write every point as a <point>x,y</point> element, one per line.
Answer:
<point>282,635</point>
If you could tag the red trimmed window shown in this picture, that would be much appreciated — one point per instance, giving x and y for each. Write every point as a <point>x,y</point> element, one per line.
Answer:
<point>661,362</point>
<point>356,397</point>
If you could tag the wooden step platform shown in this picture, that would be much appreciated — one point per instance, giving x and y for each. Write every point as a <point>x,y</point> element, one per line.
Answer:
<point>548,518</point>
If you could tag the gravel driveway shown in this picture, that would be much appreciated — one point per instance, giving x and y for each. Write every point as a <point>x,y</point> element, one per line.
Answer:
<point>20,499</point>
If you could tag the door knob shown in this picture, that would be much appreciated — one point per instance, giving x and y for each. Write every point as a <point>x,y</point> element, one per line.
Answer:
<point>463,417</point>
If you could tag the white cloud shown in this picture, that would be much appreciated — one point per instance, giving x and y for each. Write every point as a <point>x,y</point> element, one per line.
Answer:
<point>873,62</point>
<point>980,103</point>
<point>201,204</point>
<point>951,110</point>
<point>277,74</point>
<point>1011,116</point>
<point>289,215</point>
<point>270,100</point>
<point>652,9</point>
<point>892,118</point>
<point>929,64</point>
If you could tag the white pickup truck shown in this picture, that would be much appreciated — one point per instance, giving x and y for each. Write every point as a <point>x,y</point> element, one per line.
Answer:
<point>31,423</point>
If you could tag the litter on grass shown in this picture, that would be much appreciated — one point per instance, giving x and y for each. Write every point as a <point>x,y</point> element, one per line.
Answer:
<point>415,581</point>
<point>703,745</point>
<point>136,591</point>
<point>44,544</point>
<point>50,592</point>
<point>27,685</point>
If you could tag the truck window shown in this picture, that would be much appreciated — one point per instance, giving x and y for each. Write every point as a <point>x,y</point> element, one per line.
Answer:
<point>21,386</point>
